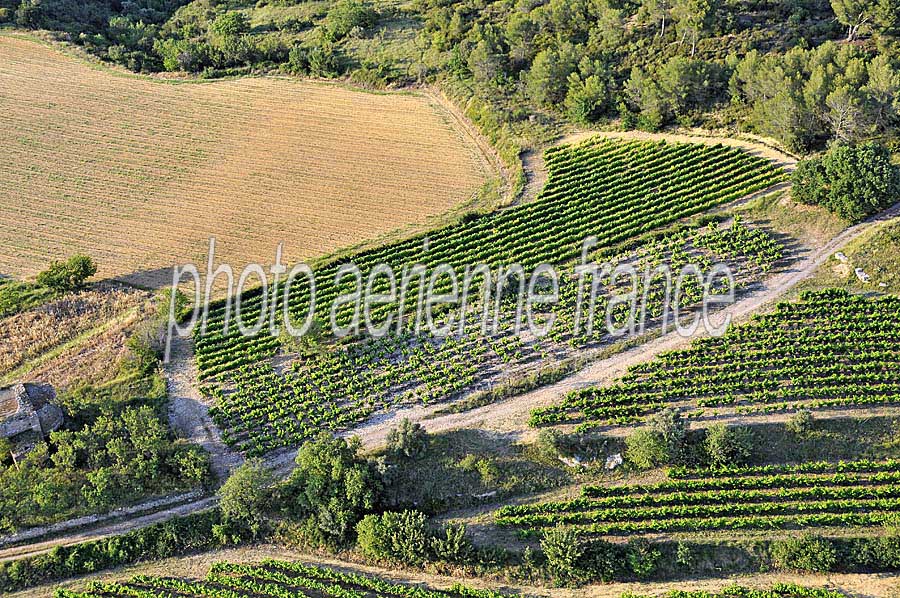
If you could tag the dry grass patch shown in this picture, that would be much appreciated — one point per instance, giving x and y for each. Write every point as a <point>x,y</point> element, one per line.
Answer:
<point>42,334</point>
<point>139,173</point>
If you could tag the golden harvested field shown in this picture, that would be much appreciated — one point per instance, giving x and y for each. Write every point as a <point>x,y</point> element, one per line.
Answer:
<point>139,173</point>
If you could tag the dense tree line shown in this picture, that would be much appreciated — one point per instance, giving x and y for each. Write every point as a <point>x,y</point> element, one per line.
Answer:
<point>782,69</point>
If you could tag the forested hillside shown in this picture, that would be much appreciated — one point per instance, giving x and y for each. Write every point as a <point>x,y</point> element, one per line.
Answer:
<point>801,71</point>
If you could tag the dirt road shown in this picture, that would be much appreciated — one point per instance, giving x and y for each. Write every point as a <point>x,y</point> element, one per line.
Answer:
<point>189,415</point>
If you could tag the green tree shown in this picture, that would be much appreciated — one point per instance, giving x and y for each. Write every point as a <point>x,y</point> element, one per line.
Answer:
<point>330,489</point>
<point>692,18</point>
<point>69,275</point>
<point>563,549</point>
<point>229,25</point>
<point>854,14</point>
<point>346,15</point>
<point>853,181</point>
<point>646,449</point>
<point>586,98</point>
<point>244,495</point>
<point>547,80</point>
<point>656,11</point>
<point>401,537</point>
<point>408,440</point>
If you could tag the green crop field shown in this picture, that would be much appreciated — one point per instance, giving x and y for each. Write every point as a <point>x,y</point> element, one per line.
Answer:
<point>612,189</point>
<point>274,579</point>
<point>260,409</point>
<point>809,495</point>
<point>831,349</point>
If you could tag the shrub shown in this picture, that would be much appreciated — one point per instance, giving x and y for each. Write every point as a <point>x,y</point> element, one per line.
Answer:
<point>453,546</point>
<point>346,15</point>
<point>803,553</point>
<point>643,558</point>
<point>800,423</point>
<point>408,440</point>
<point>330,489</point>
<point>69,275</point>
<point>661,442</point>
<point>563,549</point>
<point>244,495</point>
<point>728,445</point>
<point>646,449</point>
<point>400,537</point>
<point>853,181</point>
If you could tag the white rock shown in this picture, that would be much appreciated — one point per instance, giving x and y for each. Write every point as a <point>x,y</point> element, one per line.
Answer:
<point>862,276</point>
<point>841,257</point>
<point>614,461</point>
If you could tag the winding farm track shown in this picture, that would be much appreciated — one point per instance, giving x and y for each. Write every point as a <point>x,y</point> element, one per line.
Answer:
<point>503,416</point>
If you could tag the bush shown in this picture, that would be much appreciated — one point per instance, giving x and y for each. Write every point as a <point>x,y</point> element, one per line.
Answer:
<point>178,536</point>
<point>453,546</point>
<point>804,553</point>
<point>244,496</point>
<point>408,440</point>
<point>400,537</point>
<point>854,182</point>
<point>801,423</point>
<point>643,558</point>
<point>728,445</point>
<point>563,549</point>
<point>646,449</point>
<point>69,275</point>
<point>330,490</point>
<point>346,15</point>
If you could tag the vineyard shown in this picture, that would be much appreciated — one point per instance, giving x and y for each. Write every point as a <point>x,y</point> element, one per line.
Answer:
<point>616,190</point>
<point>277,579</point>
<point>828,350</point>
<point>95,166</point>
<point>263,409</point>
<point>809,495</point>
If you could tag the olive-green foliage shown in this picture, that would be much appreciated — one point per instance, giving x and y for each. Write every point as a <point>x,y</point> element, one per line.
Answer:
<point>244,496</point>
<point>646,449</point>
<point>405,538</point>
<point>120,456</point>
<point>69,275</point>
<point>346,15</point>
<point>852,181</point>
<point>573,559</point>
<point>178,536</point>
<point>803,553</point>
<point>564,550</point>
<point>800,423</point>
<point>408,440</point>
<point>401,537</point>
<point>330,489</point>
<point>661,442</point>
<point>728,445</point>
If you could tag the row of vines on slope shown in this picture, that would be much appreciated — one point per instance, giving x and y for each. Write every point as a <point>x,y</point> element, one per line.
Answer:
<point>262,408</point>
<point>276,579</point>
<point>828,497</point>
<point>830,349</point>
<point>614,189</point>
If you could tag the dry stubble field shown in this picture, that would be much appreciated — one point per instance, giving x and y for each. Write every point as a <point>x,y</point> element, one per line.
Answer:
<point>139,173</point>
